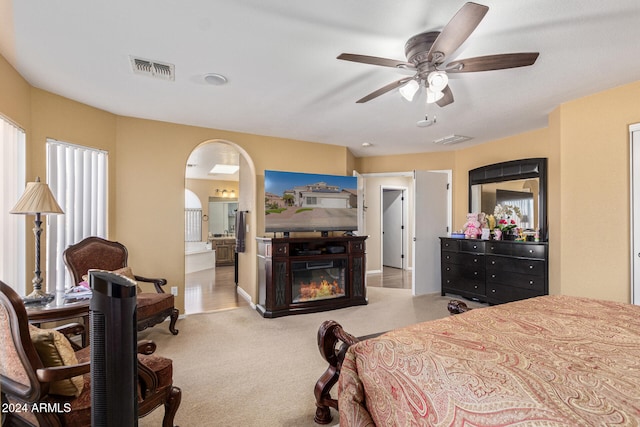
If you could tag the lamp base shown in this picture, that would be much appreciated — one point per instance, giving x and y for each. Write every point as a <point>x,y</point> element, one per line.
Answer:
<point>38,297</point>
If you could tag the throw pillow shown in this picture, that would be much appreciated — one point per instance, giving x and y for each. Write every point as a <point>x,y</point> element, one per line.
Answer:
<point>128,273</point>
<point>54,350</point>
<point>124,271</point>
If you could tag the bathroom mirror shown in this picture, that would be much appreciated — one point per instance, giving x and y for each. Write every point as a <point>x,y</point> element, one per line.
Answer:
<point>521,183</point>
<point>222,216</point>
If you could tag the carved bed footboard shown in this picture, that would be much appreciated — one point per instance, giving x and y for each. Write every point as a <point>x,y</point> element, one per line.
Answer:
<point>330,334</point>
<point>333,342</point>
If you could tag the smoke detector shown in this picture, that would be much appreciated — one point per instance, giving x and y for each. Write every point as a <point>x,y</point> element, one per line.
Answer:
<point>426,122</point>
<point>452,139</point>
<point>156,69</point>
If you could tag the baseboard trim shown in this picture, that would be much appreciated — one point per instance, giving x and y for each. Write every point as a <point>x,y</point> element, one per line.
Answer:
<point>245,296</point>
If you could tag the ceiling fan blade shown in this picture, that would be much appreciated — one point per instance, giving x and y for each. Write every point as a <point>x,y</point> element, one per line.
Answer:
<point>383,90</point>
<point>492,62</point>
<point>457,31</point>
<point>374,60</point>
<point>446,99</point>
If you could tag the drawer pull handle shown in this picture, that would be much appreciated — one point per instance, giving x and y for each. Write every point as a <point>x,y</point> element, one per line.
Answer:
<point>448,268</point>
<point>475,273</point>
<point>493,290</point>
<point>475,287</point>
<point>531,267</point>
<point>531,282</point>
<point>475,260</point>
<point>493,276</point>
<point>530,251</point>
<point>475,246</point>
<point>493,263</point>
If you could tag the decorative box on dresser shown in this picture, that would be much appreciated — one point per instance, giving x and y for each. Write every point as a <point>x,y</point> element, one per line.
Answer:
<point>494,271</point>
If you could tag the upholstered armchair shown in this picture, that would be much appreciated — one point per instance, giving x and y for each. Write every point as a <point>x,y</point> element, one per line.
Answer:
<point>101,254</point>
<point>40,368</point>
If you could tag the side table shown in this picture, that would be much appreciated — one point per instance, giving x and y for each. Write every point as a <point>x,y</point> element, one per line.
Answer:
<point>61,309</point>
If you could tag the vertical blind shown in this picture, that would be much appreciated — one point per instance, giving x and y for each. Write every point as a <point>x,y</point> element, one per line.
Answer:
<point>77,177</point>
<point>12,227</point>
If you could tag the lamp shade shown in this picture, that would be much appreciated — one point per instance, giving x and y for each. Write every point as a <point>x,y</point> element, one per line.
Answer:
<point>409,90</point>
<point>37,198</point>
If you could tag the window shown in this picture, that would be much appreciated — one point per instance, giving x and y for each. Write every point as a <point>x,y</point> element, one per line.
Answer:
<point>12,227</point>
<point>77,177</point>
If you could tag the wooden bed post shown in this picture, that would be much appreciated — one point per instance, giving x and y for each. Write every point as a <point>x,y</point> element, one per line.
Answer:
<point>329,333</point>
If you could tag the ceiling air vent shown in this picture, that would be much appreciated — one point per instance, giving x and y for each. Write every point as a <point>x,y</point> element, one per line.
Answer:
<point>451,139</point>
<point>155,69</point>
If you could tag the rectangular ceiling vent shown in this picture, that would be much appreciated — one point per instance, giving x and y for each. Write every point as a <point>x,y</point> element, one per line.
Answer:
<point>451,139</point>
<point>155,69</point>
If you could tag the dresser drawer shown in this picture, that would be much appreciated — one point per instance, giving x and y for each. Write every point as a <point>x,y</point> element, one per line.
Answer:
<point>526,250</point>
<point>451,282</point>
<point>532,267</point>
<point>463,259</point>
<point>499,294</point>
<point>518,280</point>
<point>475,246</point>
<point>450,245</point>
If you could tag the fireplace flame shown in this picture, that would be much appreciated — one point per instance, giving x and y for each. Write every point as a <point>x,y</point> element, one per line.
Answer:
<point>324,289</point>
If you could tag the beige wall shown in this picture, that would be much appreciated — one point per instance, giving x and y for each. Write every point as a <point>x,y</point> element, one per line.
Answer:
<point>586,143</point>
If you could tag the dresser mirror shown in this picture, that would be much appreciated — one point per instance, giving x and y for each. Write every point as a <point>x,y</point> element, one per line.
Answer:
<point>521,183</point>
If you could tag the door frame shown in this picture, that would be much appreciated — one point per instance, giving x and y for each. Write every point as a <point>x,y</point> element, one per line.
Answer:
<point>634,249</point>
<point>405,221</point>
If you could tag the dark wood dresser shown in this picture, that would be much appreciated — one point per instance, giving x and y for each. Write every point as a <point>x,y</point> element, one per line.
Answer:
<point>494,271</point>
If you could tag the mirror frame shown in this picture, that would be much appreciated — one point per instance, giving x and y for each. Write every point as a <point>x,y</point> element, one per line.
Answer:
<point>513,170</point>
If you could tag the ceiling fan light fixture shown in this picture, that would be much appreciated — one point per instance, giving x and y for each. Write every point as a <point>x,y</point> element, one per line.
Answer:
<point>437,80</point>
<point>433,96</point>
<point>409,90</point>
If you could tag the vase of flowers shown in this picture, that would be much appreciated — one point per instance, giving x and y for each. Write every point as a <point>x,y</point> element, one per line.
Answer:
<point>506,220</point>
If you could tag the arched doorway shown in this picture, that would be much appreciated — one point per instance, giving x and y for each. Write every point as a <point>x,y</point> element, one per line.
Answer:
<point>222,176</point>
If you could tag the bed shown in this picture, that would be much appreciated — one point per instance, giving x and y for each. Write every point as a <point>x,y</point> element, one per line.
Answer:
<point>546,361</point>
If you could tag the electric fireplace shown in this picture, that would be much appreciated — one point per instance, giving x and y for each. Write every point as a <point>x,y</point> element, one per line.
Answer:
<point>318,280</point>
<point>305,275</point>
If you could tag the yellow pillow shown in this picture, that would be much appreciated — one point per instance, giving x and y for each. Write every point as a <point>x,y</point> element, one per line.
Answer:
<point>128,273</point>
<point>54,350</point>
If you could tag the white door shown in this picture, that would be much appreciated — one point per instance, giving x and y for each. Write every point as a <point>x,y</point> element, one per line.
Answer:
<point>634,136</point>
<point>430,216</point>
<point>392,227</point>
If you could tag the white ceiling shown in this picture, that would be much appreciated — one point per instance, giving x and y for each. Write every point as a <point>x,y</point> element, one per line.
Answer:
<point>283,76</point>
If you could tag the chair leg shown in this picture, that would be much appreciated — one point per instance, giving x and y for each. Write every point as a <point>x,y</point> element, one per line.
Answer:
<point>174,319</point>
<point>171,406</point>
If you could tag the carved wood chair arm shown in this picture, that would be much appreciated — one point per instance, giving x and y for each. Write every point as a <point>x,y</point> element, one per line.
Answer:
<point>57,373</point>
<point>146,347</point>
<point>71,330</point>
<point>148,380</point>
<point>157,282</point>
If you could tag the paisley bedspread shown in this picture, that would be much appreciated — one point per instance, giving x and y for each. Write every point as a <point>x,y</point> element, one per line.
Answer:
<point>547,361</point>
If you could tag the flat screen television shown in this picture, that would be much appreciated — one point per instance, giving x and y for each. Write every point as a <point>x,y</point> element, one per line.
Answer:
<point>296,201</point>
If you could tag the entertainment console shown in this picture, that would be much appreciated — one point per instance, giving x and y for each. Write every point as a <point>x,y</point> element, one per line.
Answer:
<point>310,274</point>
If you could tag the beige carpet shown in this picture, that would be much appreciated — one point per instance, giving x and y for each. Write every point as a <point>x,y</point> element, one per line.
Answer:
<point>237,369</point>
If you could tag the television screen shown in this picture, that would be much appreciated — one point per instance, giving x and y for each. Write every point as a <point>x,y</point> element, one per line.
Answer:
<point>310,202</point>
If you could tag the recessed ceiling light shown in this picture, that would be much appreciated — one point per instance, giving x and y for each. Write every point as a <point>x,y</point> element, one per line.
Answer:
<point>225,169</point>
<point>215,79</point>
<point>366,144</point>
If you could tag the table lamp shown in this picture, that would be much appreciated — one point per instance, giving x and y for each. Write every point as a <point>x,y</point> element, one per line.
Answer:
<point>37,200</point>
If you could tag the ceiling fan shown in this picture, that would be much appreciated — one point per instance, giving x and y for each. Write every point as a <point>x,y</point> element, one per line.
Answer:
<point>427,53</point>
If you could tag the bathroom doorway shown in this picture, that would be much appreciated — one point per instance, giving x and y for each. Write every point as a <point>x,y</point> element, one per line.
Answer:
<point>213,173</point>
